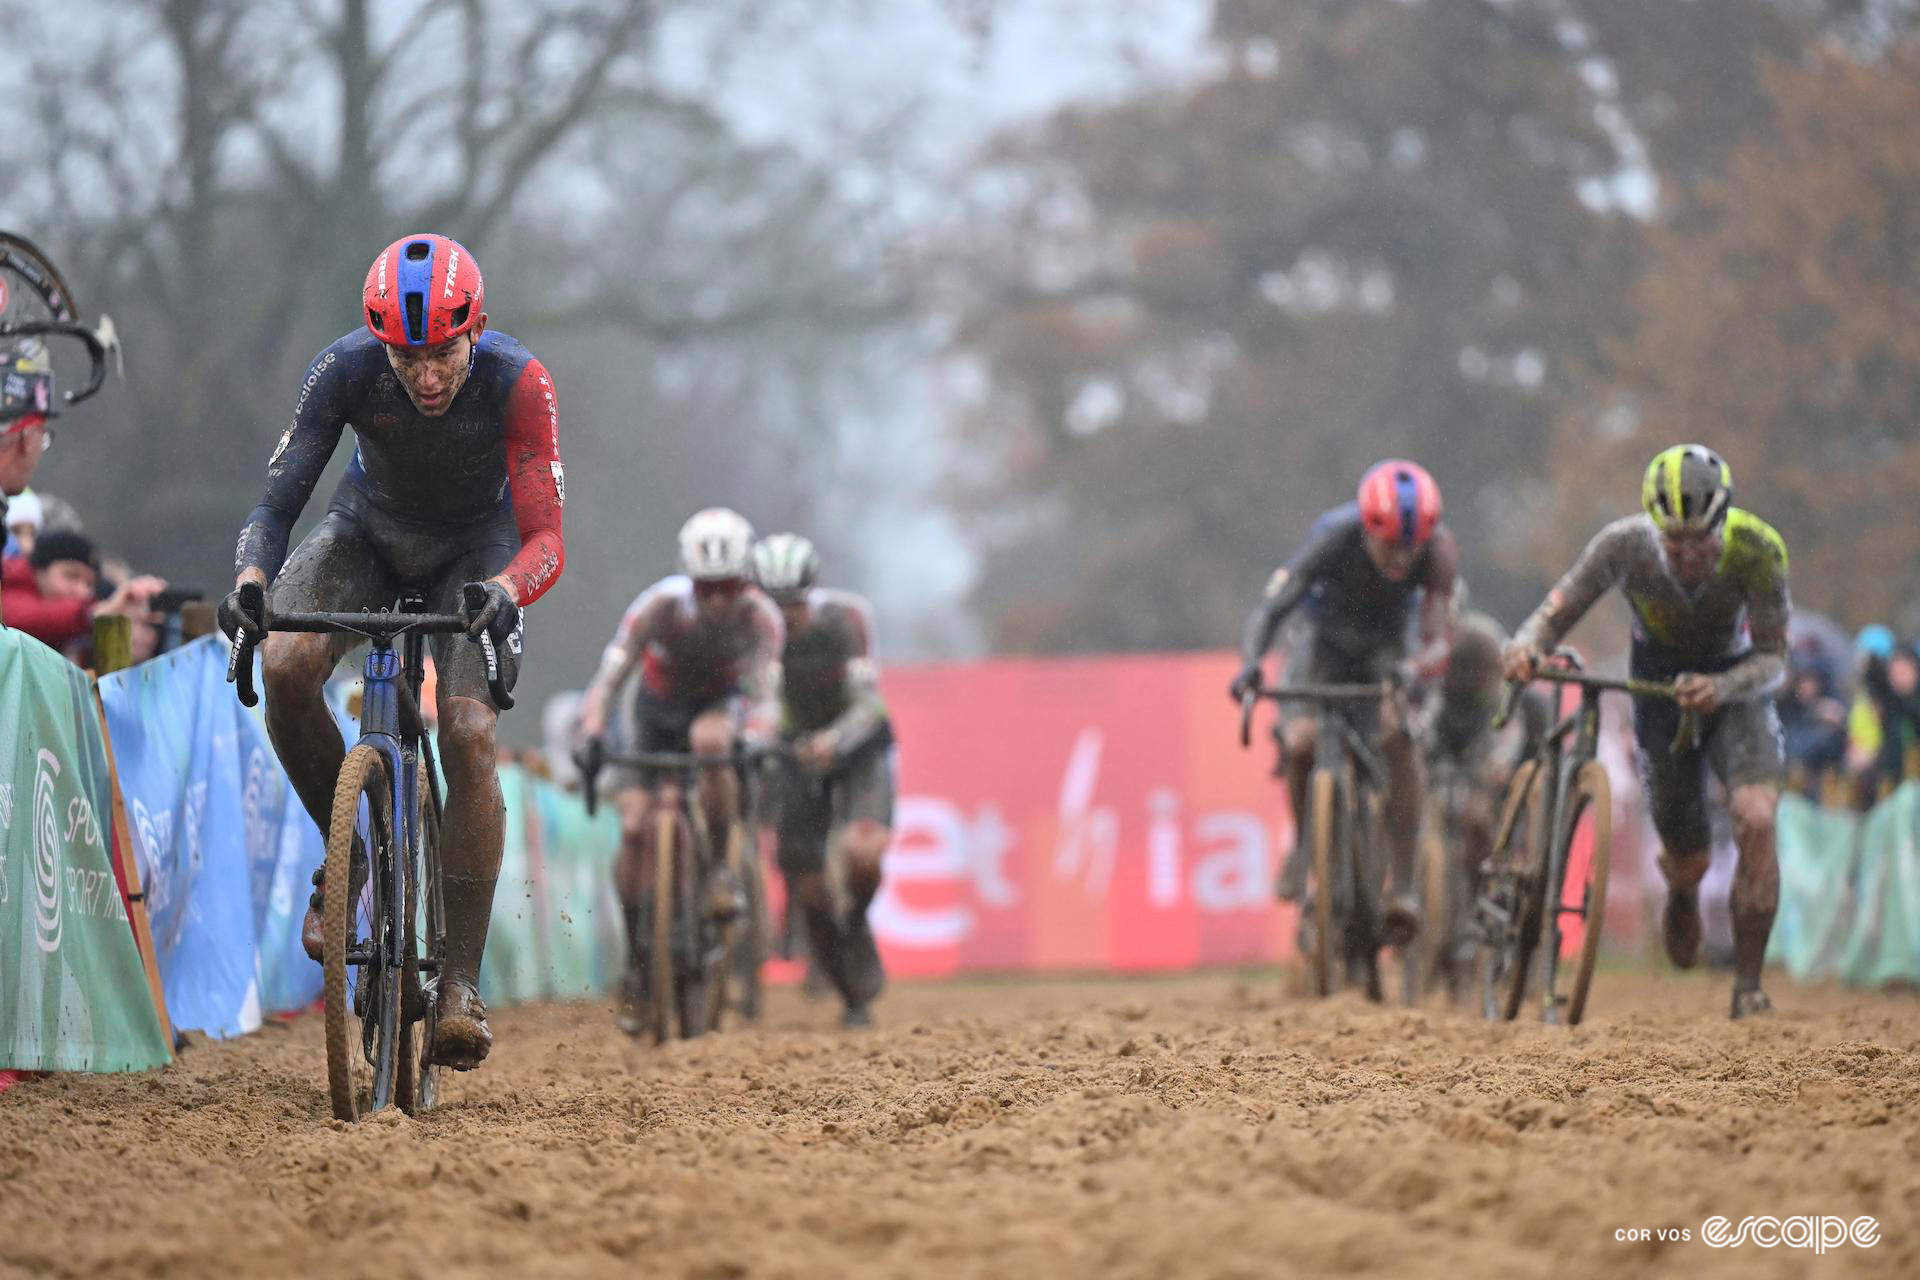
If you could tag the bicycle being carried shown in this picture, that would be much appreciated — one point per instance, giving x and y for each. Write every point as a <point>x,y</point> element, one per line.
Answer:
<point>1560,802</point>
<point>691,964</point>
<point>384,942</point>
<point>1343,822</point>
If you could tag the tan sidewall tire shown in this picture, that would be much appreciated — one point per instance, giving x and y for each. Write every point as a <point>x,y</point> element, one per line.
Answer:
<point>660,991</point>
<point>363,768</point>
<point>1321,802</point>
<point>1594,790</point>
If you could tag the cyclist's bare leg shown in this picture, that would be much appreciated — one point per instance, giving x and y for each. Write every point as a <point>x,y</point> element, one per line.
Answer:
<point>1756,892</point>
<point>1404,802</point>
<point>1680,925</point>
<point>712,734</point>
<point>719,786</point>
<point>863,845</point>
<point>630,883</point>
<point>824,935</point>
<point>307,739</point>
<point>301,725</point>
<point>1298,735</point>
<point>472,838</point>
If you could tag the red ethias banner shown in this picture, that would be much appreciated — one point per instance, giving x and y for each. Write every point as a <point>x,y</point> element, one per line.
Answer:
<point>1091,813</point>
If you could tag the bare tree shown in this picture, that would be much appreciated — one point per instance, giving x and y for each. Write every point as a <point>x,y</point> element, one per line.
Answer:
<point>218,173</point>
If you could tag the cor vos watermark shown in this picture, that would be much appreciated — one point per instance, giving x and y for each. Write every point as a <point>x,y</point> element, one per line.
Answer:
<point>1818,1232</point>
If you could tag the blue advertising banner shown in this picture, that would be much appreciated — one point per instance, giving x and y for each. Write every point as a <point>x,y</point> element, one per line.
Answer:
<point>225,850</point>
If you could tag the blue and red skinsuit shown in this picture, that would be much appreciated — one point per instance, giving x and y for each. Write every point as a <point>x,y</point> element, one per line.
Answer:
<point>495,451</point>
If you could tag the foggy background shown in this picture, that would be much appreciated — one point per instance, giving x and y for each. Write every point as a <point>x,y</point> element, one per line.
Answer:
<point>1053,322</point>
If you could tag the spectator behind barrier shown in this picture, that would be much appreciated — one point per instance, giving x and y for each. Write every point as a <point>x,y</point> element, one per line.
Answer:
<point>52,595</point>
<point>1899,715</point>
<point>25,515</point>
<point>26,402</point>
<point>1814,724</point>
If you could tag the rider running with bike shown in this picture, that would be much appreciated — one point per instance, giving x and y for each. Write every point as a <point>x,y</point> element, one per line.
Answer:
<point>1456,729</point>
<point>706,643</point>
<point>1708,586</point>
<point>1363,567</point>
<point>455,480</point>
<point>1469,761</point>
<point>836,791</point>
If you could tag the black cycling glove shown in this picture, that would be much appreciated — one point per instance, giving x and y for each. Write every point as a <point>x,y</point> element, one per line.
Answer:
<point>234,617</point>
<point>490,609</point>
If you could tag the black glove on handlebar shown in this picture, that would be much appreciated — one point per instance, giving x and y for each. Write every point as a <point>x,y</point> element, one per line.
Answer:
<point>243,612</point>
<point>490,609</point>
<point>1246,682</point>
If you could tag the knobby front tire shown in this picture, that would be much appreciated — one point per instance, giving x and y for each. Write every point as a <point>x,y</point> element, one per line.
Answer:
<point>1592,795</point>
<point>418,1087</point>
<point>1322,804</point>
<point>660,983</point>
<point>355,1084</point>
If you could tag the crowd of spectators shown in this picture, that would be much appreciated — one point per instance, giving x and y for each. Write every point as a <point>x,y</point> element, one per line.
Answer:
<point>53,579</point>
<point>1852,723</point>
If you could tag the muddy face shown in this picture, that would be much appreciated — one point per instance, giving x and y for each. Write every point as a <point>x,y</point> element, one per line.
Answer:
<point>1691,556</point>
<point>432,376</point>
<point>1392,559</point>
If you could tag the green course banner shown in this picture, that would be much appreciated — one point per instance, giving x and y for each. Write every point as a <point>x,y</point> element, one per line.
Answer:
<point>73,992</point>
<point>556,932</point>
<point>1850,891</point>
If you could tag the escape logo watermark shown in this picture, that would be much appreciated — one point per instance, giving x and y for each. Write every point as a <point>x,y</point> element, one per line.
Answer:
<point>1804,1232</point>
<point>1818,1233</point>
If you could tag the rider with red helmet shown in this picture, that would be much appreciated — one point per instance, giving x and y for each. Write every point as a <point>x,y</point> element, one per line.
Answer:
<point>1364,570</point>
<point>455,479</point>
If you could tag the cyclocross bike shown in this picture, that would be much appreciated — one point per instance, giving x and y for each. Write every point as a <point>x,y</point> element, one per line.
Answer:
<point>691,966</point>
<point>385,941</point>
<point>1342,925</point>
<point>1560,802</point>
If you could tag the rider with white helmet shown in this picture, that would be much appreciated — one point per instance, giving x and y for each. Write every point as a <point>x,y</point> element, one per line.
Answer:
<point>705,644</point>
<point>835,795</point>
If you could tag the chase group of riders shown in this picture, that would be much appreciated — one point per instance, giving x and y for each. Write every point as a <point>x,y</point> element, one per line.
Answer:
<point>456,481</point>
<point>1707,586</point>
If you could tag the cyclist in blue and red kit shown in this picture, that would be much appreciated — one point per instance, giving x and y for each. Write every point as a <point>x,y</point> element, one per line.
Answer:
<point>1365,568</point>
<point>455,479</point>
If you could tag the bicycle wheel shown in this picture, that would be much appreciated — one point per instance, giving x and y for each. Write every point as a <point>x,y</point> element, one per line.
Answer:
<point>734,982</point>
<point>732,938</point>
<point>1497,905</point>
<point>31,287</point>
<point>660,976</point>
<point>750,957</point>
<point>418,1086</point>
<point>1323,816</point>
<point>362,1026</point>
<point>1592,797</point>
<point>1366,864</point>
<point>1530,896</point>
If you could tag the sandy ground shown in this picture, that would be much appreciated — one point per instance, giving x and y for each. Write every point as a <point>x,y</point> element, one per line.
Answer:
<point>1209,1126</point>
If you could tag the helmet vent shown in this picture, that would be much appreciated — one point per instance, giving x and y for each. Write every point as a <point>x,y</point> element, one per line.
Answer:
<point>416,317</point>
<point>418,251</point>
<point>373,319</point>
<point>460,315</point>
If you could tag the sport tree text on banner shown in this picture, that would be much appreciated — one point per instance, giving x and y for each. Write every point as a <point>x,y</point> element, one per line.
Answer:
<point>73,991</point>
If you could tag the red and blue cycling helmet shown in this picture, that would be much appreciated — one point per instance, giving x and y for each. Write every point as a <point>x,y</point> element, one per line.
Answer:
<point>1399,502</point>
<point>424,290</point>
